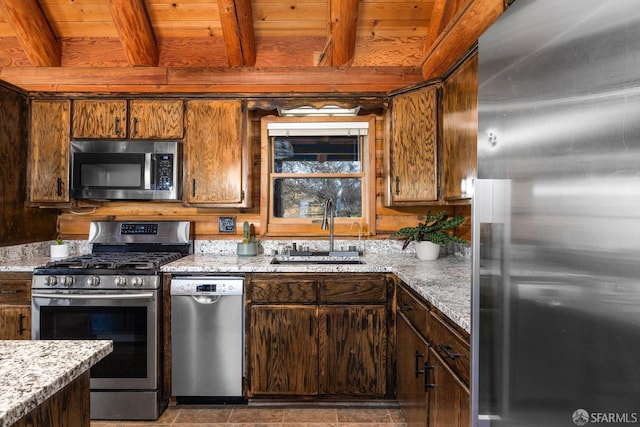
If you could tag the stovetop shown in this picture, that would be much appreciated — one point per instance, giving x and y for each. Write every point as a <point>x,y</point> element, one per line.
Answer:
<point>115,260</point>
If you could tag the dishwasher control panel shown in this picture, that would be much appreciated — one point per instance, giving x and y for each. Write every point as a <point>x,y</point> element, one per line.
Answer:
<point>207,285</point>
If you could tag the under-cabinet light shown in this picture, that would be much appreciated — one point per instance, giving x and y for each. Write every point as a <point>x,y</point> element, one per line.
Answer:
<point>328,110</point>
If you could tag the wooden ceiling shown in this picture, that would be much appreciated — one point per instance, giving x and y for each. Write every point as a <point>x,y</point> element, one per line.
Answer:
<point>251,46</point>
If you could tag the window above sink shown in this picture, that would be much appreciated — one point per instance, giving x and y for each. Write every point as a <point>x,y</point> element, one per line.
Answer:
<point>312,159</point>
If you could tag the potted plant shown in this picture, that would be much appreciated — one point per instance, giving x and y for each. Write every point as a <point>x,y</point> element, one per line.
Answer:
<point>430,234</point>
<point>248,246</point>
<point>59,249</point>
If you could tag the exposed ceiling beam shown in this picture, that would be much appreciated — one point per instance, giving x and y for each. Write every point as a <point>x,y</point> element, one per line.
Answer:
<point>437,15</point>
<point>211,80</point>
<point>236,20</point>
<point>135,31</point>
<point>33,31</point>
<point>459,36</point>
<point>342,28</point>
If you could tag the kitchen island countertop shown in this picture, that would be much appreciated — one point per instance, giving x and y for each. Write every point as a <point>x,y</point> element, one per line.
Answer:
<point>33,371</point>
<point>445,283</point>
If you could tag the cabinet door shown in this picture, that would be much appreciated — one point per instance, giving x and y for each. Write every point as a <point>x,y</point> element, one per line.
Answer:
<point>460,131</point>
<point>99,118</point>
<point>15,323</point>
<point>413,149</point>
<point>49,152</point>
<point>353,341</point>
<point>448,396</point>
<point>412,355</point>
<point>284,350</point>
<point>161,119</point>
<point>216,154</point>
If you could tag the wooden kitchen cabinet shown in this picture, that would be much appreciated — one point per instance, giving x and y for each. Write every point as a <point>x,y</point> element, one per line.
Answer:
<point>15,306</point>
<point>139,119</point>
<point>49,153</point>
<point>319,335</point>
<point>433,366</point>
<point>217,156</point>
<point>282,335</point>
<point>412,151</point>
<point>103,118</point>
<point>156,119</point>
<point>460,131</point>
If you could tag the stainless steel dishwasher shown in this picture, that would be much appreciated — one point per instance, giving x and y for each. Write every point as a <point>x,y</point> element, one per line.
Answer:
<point>207,338</point>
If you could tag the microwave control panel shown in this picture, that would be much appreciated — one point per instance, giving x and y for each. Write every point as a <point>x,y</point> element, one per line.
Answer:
<point>164,171</point>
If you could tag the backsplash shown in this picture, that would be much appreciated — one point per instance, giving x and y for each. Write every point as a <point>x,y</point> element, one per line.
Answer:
<point>228,247</point>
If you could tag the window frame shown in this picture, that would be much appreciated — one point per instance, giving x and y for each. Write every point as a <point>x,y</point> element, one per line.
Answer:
<point>282,227</point>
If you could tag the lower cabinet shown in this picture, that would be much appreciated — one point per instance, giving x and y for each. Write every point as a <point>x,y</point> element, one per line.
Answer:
<point>302,342</point>
<point>433,366</point>
<point>15,306</point>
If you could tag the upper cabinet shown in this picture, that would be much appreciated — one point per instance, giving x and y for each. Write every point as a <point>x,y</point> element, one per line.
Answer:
<point>49,152</point>
<point>217,154</point>
<point>460,130</point>
<point>161,119</point>
<point>100,118</point>
<point>412,152</point>
<point>141,119</point>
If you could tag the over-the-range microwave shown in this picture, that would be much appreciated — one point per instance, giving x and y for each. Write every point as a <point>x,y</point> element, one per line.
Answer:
<point>126,170</point>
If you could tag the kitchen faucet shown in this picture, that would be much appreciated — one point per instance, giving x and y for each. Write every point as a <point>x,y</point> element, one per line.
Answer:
<point>327,220</point>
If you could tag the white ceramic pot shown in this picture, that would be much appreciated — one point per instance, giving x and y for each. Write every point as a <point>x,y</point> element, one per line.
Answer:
<point>59,251</point>
<point>427,251</point>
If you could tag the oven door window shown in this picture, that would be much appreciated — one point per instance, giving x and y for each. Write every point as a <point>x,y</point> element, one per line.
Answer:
<point>126,326</point>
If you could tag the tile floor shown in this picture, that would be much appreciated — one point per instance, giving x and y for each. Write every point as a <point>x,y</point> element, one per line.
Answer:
<point>261,416</point>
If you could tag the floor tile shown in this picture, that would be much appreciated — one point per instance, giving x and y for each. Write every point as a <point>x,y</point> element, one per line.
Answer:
<point>367,415</point>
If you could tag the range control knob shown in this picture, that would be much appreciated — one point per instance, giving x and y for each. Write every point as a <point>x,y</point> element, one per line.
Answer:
<point>121,281</point>
<point>67,281</point>
<point>93,280</point>
<point>137,281</point>
<point>50,281</point>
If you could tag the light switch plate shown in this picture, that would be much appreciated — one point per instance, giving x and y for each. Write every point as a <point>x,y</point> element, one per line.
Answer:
<point>227,224</point>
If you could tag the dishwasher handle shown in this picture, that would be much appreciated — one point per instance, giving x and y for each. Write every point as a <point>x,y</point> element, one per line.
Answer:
<point>206,299</point>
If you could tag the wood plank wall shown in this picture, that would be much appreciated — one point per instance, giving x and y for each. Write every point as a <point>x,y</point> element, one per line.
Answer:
<point>18,224</point>
<point>75,225</point>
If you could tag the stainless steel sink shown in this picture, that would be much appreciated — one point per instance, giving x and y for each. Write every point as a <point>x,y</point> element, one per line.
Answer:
<point>308,261</point>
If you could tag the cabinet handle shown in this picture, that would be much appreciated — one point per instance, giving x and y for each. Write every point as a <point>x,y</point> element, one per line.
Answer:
<point>427,384</point>
<point>59,181</point>
<point>7,292</point>
<point>116,125</point>
<point>397,185</point>
<point>193,188</point>
<point>21,327</point>
<point>134,131</point>
<point>406,307</point>
<point>418,357</point>
<point>448,352</point>
<point>310,325</point>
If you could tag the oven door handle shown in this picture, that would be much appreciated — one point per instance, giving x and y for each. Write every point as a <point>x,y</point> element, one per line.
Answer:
<point>148,295</point>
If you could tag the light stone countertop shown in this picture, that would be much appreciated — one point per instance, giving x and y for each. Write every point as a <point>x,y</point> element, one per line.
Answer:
<point>33,371</point>
<point>445,283</point>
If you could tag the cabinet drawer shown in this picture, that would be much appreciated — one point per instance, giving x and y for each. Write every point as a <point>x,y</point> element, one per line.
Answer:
<point>282,289</point>
<point>414,310</point>
<point>451,346</point>
<point>15,292</point>
<point>354,288</point>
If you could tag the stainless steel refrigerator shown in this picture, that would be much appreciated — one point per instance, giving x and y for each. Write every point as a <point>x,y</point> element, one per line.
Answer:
<point>556,217</point>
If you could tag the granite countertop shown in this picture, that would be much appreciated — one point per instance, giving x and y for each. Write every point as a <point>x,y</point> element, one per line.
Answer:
<point>33,371</point>
<point>445,283</point>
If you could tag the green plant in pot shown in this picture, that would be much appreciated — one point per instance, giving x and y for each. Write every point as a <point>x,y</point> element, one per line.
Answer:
<point>59,249</point>
<point>430,235</point>
<point>248,246</point>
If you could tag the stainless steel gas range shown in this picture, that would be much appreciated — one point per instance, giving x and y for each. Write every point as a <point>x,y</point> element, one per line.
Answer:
<point>114,293</point>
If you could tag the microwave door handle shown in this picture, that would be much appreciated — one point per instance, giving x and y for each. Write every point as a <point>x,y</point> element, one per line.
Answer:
<point>149,168</point>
